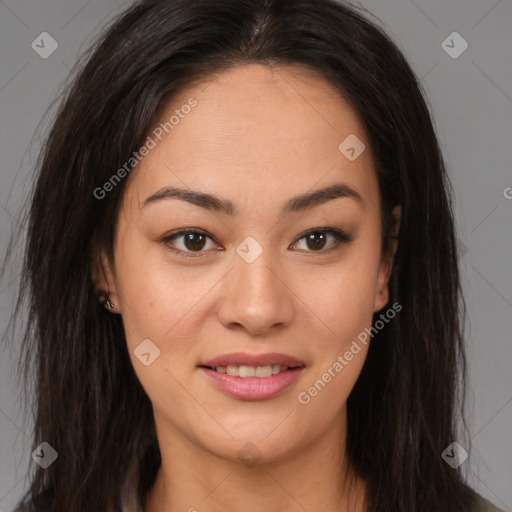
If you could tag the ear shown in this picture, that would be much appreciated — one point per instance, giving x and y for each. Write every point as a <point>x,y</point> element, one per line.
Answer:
<point>104,281</point>
<point>386,264</point>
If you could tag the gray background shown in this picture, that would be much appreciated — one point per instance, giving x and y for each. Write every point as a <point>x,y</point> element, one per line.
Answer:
<point>471,99</point>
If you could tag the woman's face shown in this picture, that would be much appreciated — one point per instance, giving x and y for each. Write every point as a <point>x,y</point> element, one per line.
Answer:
<point>251,283</point>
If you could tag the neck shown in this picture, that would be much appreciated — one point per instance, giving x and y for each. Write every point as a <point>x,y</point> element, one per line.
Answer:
<point>316,477</point>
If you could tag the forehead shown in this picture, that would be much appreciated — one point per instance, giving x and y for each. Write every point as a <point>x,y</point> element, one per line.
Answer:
<point>256,128</point>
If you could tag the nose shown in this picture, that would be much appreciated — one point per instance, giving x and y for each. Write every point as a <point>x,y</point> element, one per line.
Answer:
<point>256,296</point>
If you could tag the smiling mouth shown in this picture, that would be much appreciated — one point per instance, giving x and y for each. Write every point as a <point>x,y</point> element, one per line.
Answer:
<point>244,371</point>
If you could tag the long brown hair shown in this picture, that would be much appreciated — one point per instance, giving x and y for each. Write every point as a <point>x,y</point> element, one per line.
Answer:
<point>88,403</point>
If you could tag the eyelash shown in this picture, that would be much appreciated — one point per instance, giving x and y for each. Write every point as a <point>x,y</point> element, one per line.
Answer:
<point>340,237</point>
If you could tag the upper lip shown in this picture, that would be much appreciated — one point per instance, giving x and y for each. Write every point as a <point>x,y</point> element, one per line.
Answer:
<point>239,358</point>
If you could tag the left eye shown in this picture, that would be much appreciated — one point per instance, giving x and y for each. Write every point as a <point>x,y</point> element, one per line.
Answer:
<point>195,241</point>
<point>316,238</point>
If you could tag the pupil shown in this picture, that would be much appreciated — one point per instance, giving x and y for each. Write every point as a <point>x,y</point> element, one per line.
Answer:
<point>190,244</point>
<point>316,238</point>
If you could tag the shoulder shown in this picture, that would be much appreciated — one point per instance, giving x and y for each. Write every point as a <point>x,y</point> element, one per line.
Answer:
<point>482,505</point>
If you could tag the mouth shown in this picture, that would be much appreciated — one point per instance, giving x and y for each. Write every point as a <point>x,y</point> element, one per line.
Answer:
<point>253,377</point>
<point>246,371</point>
<point>253,365</point>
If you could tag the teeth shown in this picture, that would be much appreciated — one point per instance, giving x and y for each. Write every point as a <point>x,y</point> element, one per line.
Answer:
<point>251,371</point>
<point>232,370</point>
<point>246,371</point>
<point>263,371</point>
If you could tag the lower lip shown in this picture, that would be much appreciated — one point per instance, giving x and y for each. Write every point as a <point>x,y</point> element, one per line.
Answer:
<point>253,388</point>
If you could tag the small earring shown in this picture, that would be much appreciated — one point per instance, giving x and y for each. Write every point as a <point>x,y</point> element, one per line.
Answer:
<point>107,302</point>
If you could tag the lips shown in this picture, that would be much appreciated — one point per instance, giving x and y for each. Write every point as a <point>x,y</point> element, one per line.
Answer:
<point>241,359</point>
<point>265,386</point>
<point>253,388</point>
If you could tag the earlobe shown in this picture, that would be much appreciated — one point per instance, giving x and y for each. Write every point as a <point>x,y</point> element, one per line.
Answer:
<point>386,267</point>
<point>105,301</point>
<point>104,282</point>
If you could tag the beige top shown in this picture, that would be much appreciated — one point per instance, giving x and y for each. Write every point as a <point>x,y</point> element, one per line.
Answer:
<point>129,502</point>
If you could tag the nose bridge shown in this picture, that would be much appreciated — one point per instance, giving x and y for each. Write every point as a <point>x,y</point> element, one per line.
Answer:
<point>256,297</point>
<point>256,280</point>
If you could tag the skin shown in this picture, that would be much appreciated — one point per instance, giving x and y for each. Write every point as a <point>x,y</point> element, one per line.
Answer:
<point>258,136</point>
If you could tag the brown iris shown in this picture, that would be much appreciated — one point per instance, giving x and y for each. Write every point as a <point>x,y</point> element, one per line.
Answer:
<point>316,240</point>
<point>194,241</point>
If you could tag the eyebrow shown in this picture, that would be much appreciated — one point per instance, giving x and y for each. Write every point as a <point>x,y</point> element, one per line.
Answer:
<point>295,204</point>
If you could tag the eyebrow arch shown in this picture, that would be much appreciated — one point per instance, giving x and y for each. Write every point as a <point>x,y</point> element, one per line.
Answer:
<point>295,204</point>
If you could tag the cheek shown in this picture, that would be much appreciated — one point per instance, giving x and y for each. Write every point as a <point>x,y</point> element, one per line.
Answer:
<point>342,300</point>
<point>343,309</point>
<point>342,296</point>
<point>160,304</point>
<point>156,298</point>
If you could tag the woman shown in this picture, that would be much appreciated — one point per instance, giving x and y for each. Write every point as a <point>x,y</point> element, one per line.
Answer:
<point>242,276</point>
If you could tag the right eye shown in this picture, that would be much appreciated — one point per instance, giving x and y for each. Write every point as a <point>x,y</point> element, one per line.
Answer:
<point>192,241</point>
